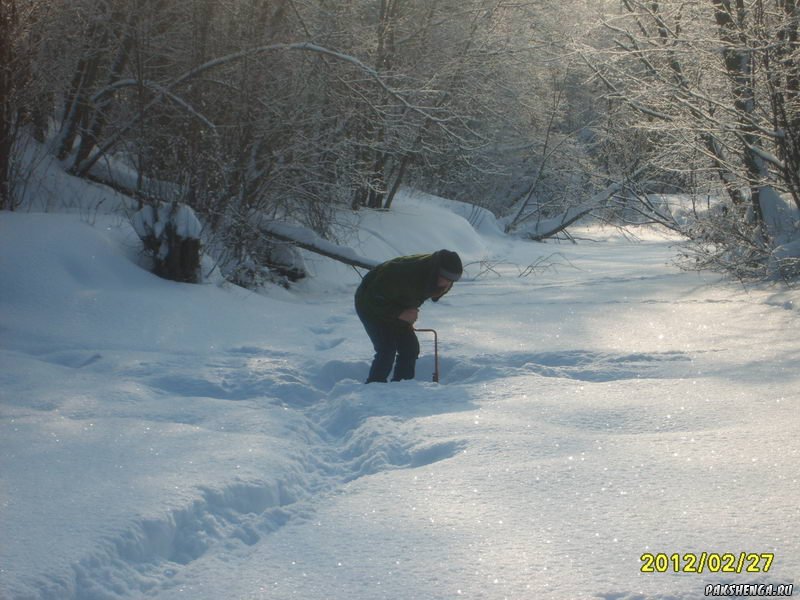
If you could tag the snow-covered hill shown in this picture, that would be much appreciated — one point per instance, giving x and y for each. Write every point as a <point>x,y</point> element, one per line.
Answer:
<point>166,440</point>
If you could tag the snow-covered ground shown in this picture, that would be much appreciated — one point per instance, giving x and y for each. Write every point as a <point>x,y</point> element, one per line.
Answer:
<point>165,440</point>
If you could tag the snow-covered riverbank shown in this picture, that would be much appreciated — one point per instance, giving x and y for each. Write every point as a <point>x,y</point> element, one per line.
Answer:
<point>165,440</point>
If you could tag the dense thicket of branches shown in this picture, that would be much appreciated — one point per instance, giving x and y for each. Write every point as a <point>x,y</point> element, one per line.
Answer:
<point>287,108</point>
<point>284,110</point>
<point>708,94</point>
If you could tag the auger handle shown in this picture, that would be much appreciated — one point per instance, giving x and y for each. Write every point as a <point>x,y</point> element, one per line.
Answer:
<point>435,352</point>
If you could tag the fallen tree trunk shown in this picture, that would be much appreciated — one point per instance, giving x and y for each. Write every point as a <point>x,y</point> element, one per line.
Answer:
<point>307,239</point>
<point>302,237</point>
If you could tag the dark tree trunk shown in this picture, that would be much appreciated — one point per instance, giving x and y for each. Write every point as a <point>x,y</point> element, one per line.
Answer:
<point>92,133</point>
<point>783,77</point>
<point>8,18</point>
<point>77,106</point>
<point>738,57</point>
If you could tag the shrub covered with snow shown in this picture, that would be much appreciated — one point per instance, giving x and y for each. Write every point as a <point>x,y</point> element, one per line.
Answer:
<point>170,232</point>
<point>746,243</point>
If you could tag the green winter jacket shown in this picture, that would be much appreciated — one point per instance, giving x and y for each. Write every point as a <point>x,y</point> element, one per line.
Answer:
<point>398,284</point>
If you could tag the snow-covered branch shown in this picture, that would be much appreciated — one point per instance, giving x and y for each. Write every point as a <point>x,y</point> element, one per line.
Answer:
<point>550,227</point>
<point>125,83</point>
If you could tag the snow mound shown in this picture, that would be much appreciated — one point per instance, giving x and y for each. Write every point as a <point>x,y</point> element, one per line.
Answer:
<point>77,284</point>
<point>417,223</point>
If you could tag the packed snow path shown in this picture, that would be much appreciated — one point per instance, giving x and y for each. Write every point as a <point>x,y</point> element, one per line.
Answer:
<point>164,441</point>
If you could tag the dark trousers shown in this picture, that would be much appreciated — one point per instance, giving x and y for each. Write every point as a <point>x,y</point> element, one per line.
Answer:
<point>395,344</point>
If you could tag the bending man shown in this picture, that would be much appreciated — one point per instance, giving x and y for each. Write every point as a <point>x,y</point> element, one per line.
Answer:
<point>388,301</point>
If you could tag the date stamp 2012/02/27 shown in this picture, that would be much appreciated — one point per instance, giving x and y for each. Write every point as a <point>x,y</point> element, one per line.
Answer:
<point>707,562</point>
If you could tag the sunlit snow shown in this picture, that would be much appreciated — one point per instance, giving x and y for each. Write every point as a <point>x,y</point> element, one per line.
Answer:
<point>164,440</point>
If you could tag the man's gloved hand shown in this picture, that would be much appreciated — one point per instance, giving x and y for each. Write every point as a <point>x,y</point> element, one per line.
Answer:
<point>409,315</point>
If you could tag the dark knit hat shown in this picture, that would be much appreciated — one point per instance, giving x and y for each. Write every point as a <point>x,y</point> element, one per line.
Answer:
<point>450,265</point>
